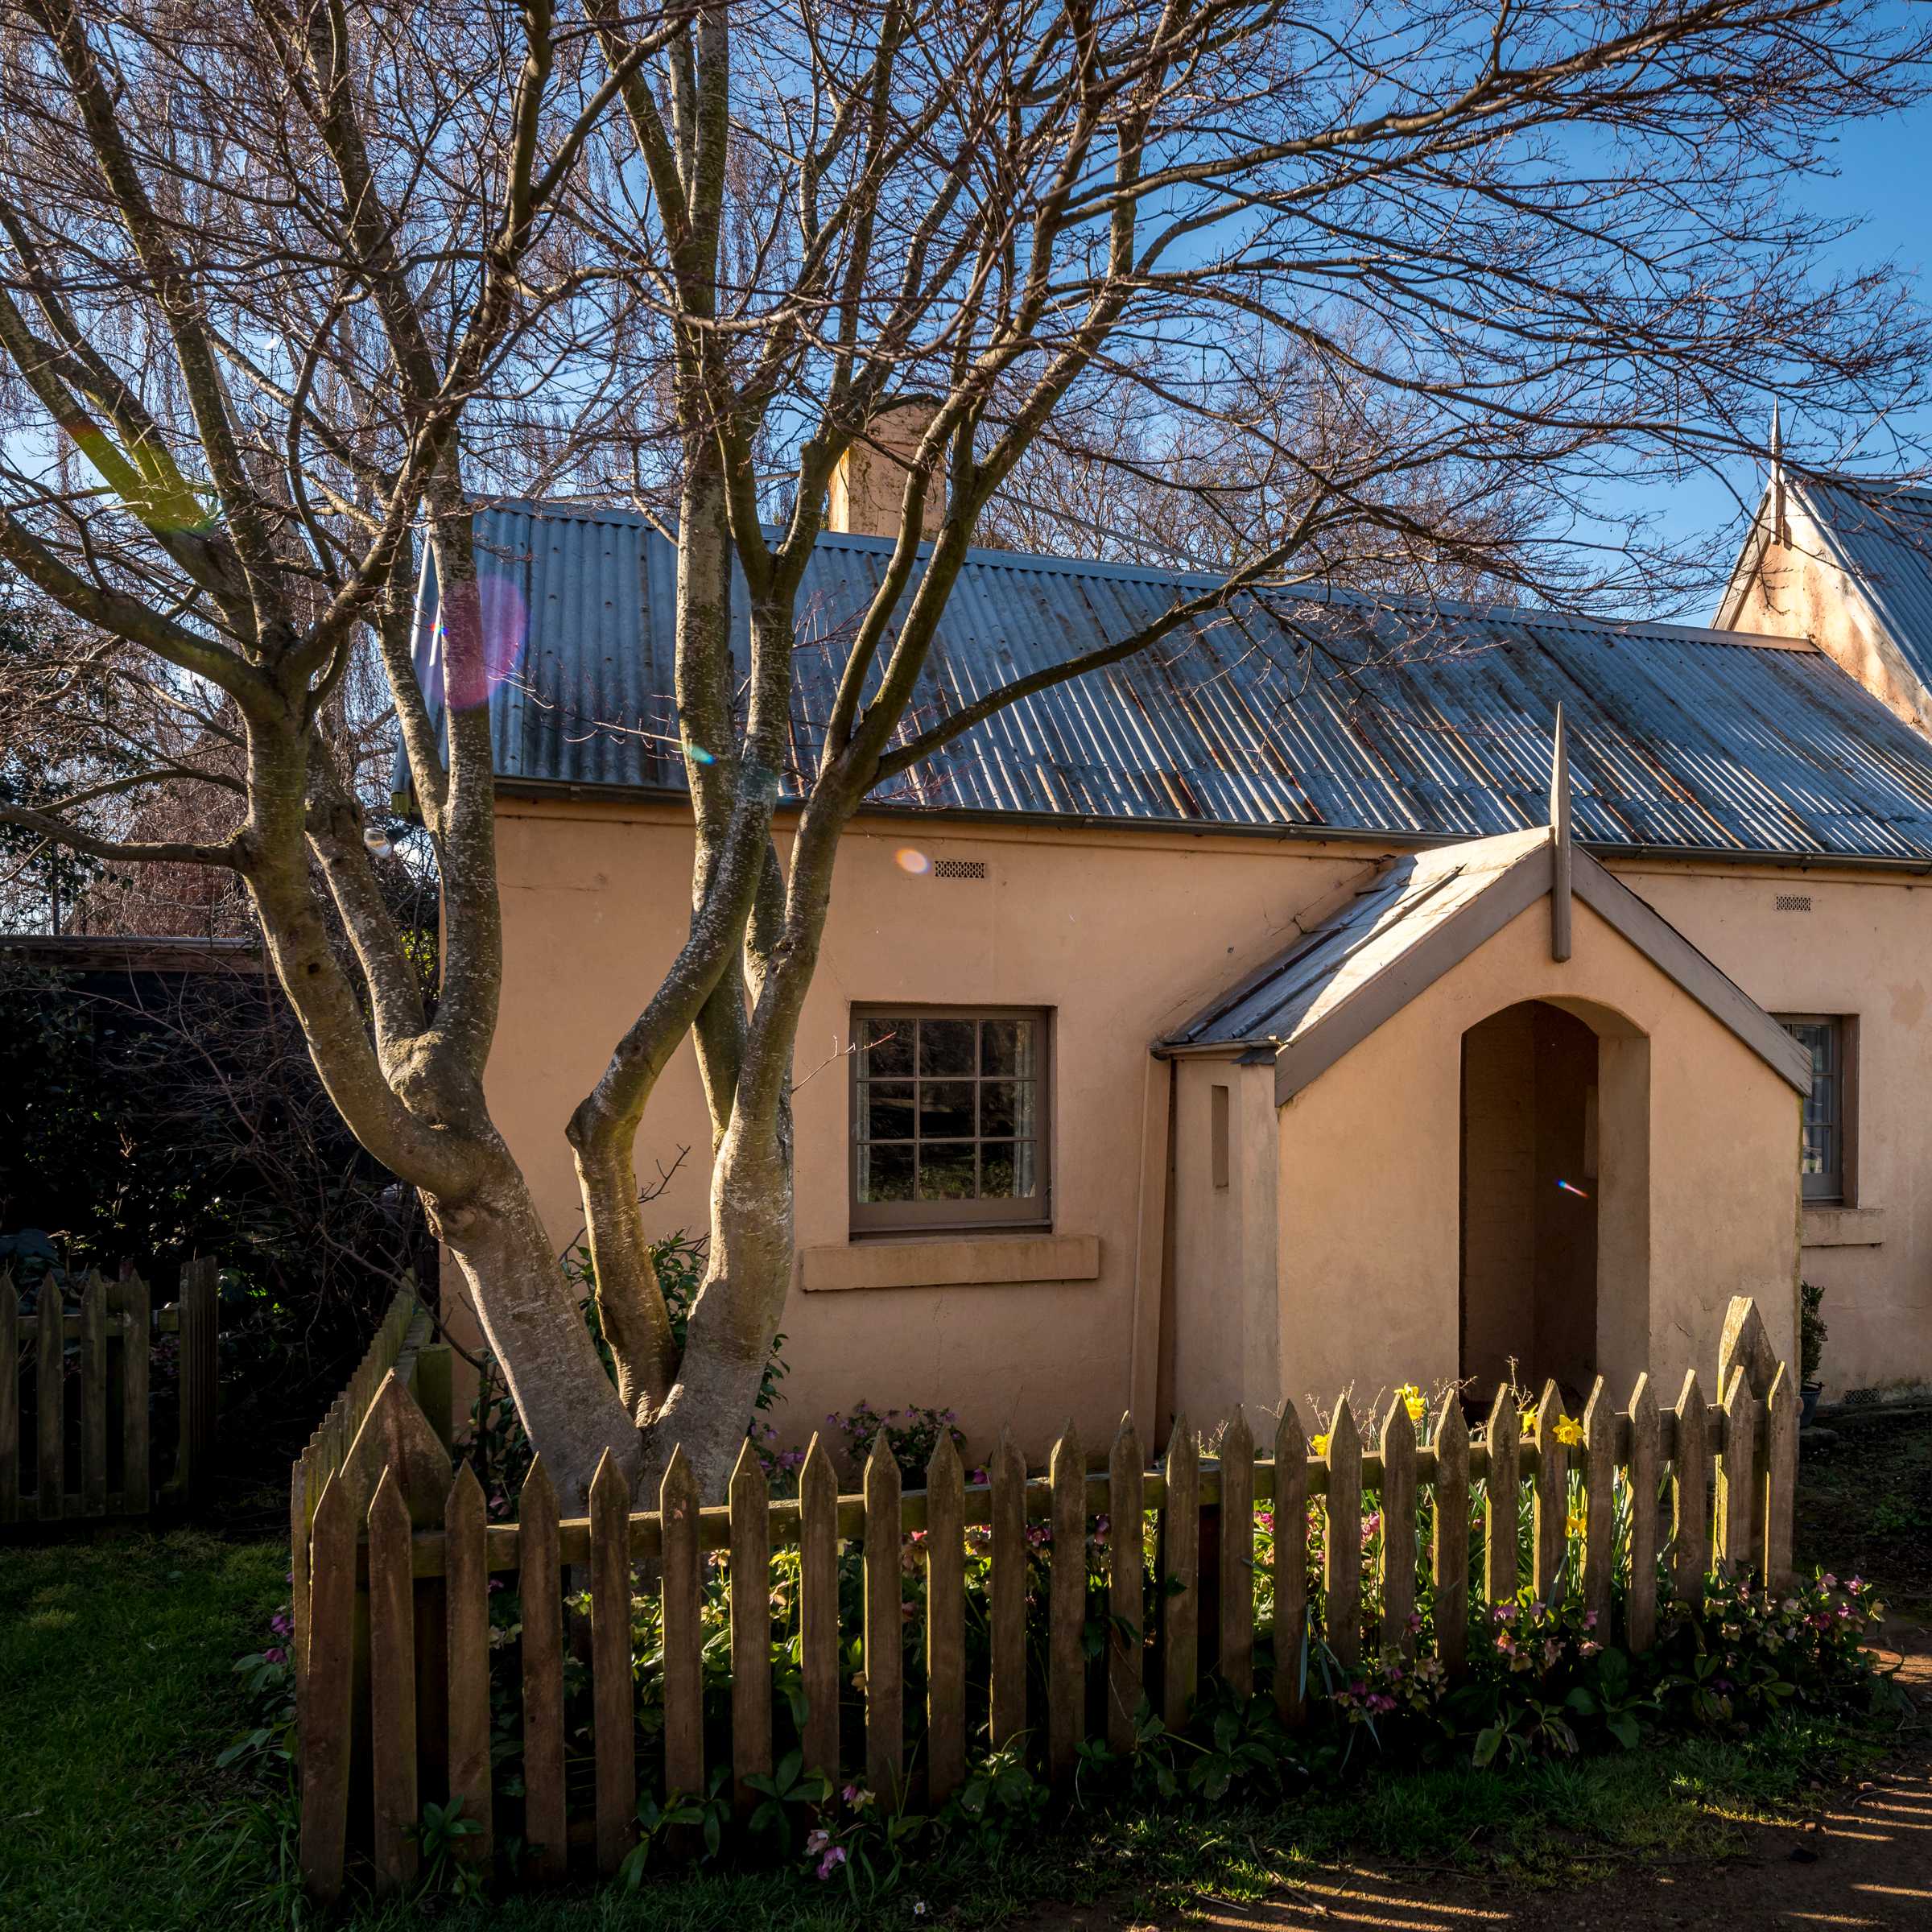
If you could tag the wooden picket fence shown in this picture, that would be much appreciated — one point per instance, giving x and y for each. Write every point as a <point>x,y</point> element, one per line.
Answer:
<point>395,1707</point>
<point>94,1457</point>
<point>403,1343</point>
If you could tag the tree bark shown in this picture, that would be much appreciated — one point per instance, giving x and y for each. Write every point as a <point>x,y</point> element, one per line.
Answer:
<point>534,1329</point>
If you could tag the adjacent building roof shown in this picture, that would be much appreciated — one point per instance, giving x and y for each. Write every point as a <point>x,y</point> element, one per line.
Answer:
<point>1425,914</point>
<point>1293,709</point>
<point>1881,535</point>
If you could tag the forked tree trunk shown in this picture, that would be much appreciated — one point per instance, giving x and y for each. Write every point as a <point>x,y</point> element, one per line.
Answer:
<point>533,1329</point>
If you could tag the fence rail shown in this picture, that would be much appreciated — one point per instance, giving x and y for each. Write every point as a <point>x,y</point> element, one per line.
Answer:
<point>93,1455</point>
<point>397,1641</point>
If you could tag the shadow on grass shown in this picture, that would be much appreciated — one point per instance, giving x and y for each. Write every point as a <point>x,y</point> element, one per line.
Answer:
<point>117,1655</point>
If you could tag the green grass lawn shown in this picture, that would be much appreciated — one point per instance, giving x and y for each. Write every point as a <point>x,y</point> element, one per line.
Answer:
<point>116,1694</point>
<point>116,1660</point>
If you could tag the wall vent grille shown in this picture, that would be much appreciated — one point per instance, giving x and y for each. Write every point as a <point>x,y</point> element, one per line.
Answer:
<point>958,868</point>
<point>1794,901</point>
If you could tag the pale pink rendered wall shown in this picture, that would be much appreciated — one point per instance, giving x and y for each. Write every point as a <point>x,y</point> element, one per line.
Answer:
<point>1227,1344</point>
<point>1369,1168</point>
<point>1125,935</point>
<point>1864,949</point>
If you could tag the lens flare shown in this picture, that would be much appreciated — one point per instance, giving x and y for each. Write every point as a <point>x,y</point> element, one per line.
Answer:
<point>481,636</point>
<point>909,859</point>
<point>697,753</point>
<point>1571,1187</point>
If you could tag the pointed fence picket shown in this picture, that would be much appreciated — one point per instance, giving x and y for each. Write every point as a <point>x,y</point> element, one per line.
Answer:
<point>88,1370</point>
<point>395,1703</point>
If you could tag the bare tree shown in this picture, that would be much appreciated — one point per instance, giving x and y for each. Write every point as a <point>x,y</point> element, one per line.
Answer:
<point>1392,291</point>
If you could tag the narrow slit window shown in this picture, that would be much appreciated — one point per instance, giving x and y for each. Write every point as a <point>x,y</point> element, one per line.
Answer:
<point>1823,1160</point>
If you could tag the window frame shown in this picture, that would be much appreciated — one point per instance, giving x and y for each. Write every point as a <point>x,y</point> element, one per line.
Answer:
<point>1829,1189</point>
<point>1030,1214</point>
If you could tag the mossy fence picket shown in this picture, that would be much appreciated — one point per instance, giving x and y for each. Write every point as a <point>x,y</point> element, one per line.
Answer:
<point>83,1446</point>
<point>397,1563</point>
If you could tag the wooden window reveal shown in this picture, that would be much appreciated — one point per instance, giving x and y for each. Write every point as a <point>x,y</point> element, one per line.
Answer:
<point>950,1114</point>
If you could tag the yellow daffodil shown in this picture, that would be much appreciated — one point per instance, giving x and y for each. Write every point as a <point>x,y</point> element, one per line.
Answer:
<point>1574,1526</point>
<point>1569,1429</point>
<point>1319,1445</point>
<point>1412,1401</point>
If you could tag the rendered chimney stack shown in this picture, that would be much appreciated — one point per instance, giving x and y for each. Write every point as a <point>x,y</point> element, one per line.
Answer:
<point>868,491</point>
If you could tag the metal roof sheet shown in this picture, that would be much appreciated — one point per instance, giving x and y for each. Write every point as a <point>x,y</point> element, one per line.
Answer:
<point>1290,709</point>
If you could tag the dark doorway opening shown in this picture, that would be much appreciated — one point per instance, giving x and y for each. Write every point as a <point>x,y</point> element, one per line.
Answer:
<point>1530,1189</point>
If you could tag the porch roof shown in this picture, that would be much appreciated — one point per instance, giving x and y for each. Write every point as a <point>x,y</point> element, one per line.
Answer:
<point>1424,915</point>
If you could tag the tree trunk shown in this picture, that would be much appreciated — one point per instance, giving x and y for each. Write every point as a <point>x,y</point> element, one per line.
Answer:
<point>738,1306</point>
<point>556,1379</point>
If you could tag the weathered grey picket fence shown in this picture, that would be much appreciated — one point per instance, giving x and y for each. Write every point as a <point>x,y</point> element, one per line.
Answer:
<point>395,1643</point>
<point>74,1470</point>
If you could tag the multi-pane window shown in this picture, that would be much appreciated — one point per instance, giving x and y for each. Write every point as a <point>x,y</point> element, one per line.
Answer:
<point>949,1118</point>
<point>1822,1164</point>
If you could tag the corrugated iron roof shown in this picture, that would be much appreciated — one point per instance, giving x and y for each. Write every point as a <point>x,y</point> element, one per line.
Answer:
<point>1881,534</point>
<point>1290,709</point>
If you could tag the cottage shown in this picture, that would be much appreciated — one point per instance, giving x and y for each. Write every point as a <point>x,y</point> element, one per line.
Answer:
<point>1264,1014</point>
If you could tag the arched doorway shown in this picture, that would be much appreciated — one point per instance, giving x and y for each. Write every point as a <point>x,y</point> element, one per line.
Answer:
<point>1555,1193</point>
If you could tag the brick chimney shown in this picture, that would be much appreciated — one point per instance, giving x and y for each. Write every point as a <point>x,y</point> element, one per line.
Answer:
<point>869,486</point>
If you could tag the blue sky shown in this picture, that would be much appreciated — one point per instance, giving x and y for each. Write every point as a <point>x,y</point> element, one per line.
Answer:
<point>1880,181</point>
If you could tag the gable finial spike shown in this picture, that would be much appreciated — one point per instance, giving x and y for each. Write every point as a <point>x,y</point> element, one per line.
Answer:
<point>1559,775</point>
<point>1778,476</point>
<point>1561,862</point>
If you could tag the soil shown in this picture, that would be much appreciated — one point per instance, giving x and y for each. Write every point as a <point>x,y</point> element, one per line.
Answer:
<point>1864,1860</point>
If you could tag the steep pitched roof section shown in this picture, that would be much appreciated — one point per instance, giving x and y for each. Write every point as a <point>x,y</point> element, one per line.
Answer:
<point>1879,535</point>
<point>1292,710</point>
<point>1326,994</point>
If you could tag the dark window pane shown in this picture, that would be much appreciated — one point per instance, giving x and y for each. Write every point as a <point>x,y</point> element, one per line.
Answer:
<point>886,1110</point>
<point>886,1173</point>
<point>1006,1108</point>
<point>1006,1171</point>
<point>946,1045</point>
<point>945,1170</point>
<point>885,1047</point>
<point>945,1109</point>
<point>1007,1046</point>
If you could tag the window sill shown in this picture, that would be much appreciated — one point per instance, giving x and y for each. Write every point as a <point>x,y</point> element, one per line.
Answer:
<point>1826,1226</point>
<point>984,1261</point>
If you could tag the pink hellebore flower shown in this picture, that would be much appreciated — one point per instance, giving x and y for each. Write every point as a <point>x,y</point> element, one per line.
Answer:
<point>816,1842</point>
<point>831,1862</point>
<point>274,1656</point>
